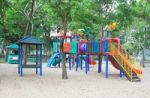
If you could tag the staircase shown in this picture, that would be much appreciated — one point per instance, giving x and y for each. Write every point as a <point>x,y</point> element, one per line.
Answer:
<point>135,77</point>
<point>123,61</point>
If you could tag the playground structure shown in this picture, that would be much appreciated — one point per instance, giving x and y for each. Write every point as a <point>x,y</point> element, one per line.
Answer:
<point>27,42</point>
<point>12,57</point>
<point>109,47</point>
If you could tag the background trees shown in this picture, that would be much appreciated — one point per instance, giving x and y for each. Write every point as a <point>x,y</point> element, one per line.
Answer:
<point>40,17</point>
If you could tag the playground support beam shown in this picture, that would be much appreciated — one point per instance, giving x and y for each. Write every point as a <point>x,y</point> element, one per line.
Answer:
<point>70,56</point>
<point>106,65</point>
<point>77,61</point>
<point>99,64</point>
<point>36,59</point>
<point>21,57</point>
<point>59,62</point>
<point>87,63</point>
<point>107,46</point>
<point>19,60</point>
<point>121,73</point>
<point>40,60</point>
<point>81,61</point>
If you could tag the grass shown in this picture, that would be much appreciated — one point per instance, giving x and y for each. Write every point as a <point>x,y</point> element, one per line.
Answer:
<point>2,60</point>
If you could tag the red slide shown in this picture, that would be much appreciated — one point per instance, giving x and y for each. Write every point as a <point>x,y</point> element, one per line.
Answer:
<point>113,62</point>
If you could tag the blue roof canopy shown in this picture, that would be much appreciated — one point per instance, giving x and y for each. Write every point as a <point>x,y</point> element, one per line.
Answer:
<point>12,46</point>
<point>30,40</point>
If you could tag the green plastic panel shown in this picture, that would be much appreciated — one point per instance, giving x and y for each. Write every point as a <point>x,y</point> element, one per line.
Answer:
<point>73,47</point>
<point>55,47</point>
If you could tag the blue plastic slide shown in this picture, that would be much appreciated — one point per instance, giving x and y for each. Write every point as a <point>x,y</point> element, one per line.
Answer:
<point>52,59</point>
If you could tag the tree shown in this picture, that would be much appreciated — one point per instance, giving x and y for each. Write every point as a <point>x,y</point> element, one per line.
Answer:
<point>141,26</point>
<point>63,10</point>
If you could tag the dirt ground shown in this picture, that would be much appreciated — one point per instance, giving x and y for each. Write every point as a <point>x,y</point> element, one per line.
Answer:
<point>79,85</point>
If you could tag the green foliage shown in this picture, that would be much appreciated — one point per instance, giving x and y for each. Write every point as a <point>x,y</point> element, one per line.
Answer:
<point>79,13</point>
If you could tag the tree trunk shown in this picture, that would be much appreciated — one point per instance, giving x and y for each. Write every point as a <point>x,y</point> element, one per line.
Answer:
<point>25,54</point>
<point>5,50</point>
<point>64,70</point>
<point>29,30</point>
<point>102,31</point>
<point>143,57</point>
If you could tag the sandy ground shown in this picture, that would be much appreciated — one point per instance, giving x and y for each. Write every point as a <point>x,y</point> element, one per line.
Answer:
<point>79,85</point>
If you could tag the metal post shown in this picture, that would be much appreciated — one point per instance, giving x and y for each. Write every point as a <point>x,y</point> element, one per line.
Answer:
<point>86,64</point>
<point>87,54</point>
<point>81,61</point>
<point>99,64</point>
<point>21,57</point>
<point>59,57</point>
<point>40,60</point>
<point>107,46</point>
<point>78,39</point>
<point>36,59</point>
<point>121,73</point>
<point>106,65</point>
<point>77,61</point>
<point>70,57</point>
<point>88,61</point>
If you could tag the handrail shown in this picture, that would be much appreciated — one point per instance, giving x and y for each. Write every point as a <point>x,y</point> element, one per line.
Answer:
<point>133,61</point>
<point>130,58</point>
<point>125,68</point>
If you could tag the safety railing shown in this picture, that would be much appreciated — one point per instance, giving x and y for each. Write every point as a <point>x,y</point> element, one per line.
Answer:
<point>132,60</point>
<point>121,60</point>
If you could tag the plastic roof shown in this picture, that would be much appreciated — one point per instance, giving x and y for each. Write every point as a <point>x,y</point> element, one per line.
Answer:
<point>30,40</point>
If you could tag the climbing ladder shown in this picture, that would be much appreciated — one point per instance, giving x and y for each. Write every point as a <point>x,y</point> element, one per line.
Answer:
<point>125,63</point>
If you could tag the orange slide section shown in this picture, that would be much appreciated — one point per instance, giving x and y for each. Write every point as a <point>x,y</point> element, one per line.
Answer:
<point>91,61</point>
<point>138,71</point>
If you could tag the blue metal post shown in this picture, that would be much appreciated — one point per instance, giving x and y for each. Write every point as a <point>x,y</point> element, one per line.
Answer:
<point>99,64</point>
<point>88,65</point>
<point>21,57</point>
<point>81,61</point>
<point>36,59</point>
<point>59,57</point>
<point>70,57</point>
<point>107,35</point>
<point>19,60</point>
<point>87,54</point>
<point>77,62</point>
<point>40,60</point>
<point>121,73</point>
<point>106,65</point>
<point>78,39</point>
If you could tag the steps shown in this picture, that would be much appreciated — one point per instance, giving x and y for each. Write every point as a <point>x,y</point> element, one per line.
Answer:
<point>135,78</point>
